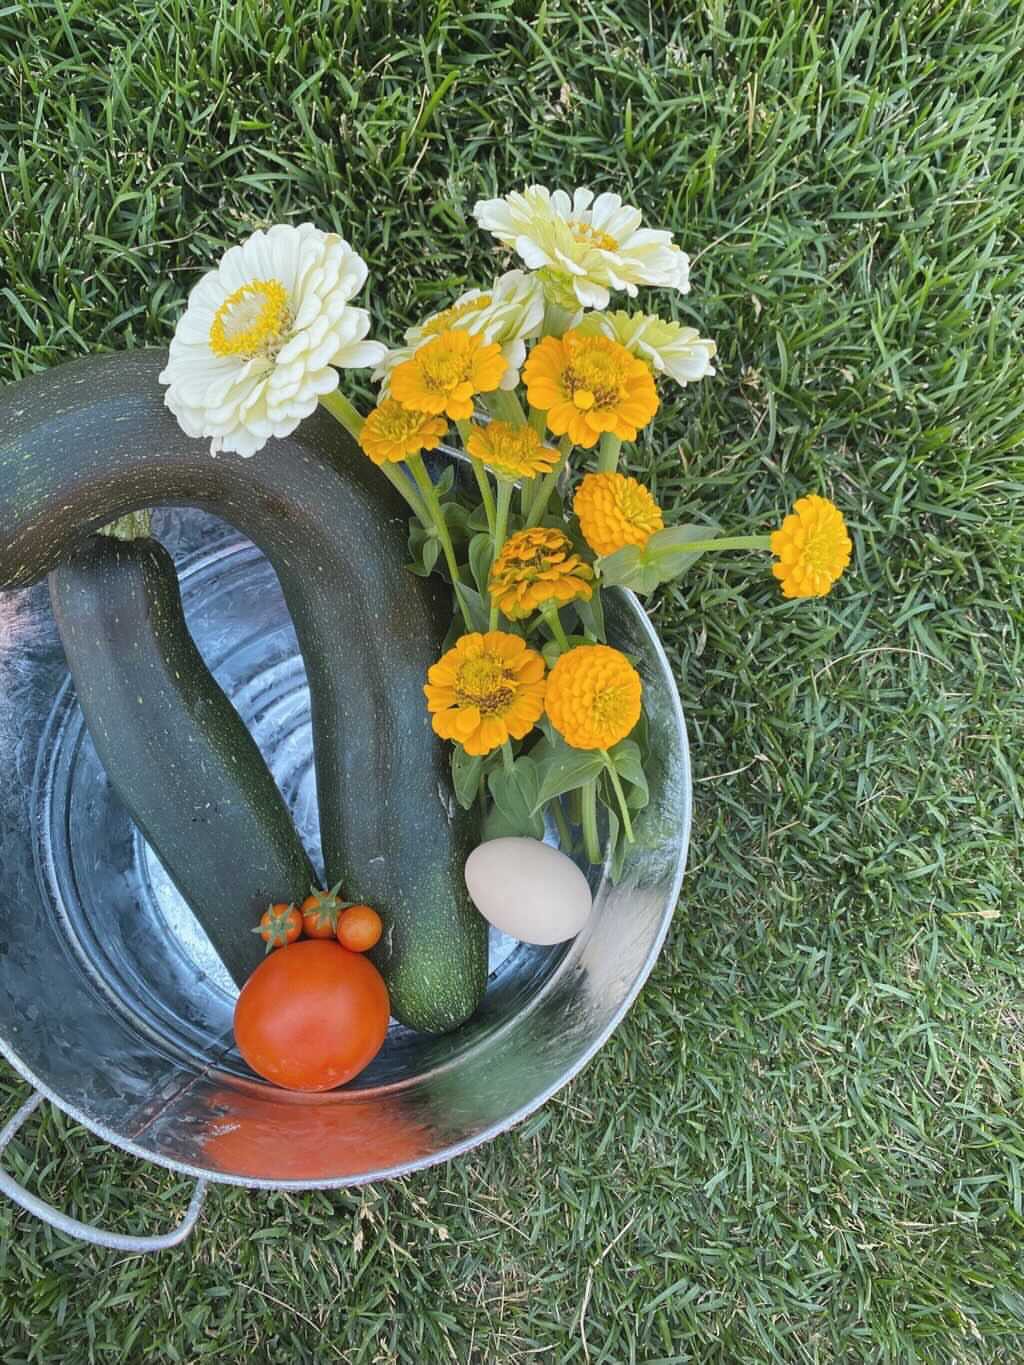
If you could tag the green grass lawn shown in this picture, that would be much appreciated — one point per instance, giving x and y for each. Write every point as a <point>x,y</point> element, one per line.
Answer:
<point>805,1143</point>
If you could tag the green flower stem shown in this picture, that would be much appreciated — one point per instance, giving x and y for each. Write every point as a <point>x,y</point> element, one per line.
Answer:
<point>342,411</point>
<point>597,607</point>
<point>564,836</point>
<point>395,477</point>
<point>723,543</point>
<point>504,406</point>
<point>543,493</point>
<point>506,756</point>
<point>500,527</point>
<point>554,622</point>
<point>132,526</point>
<point>433,505</point>
<point>486,496</point>
<point>620,796</point>
<point>557,318</point>
<point>589,803</point>
<point>479,472</point>
<point>608,459</point>
<point>539,421</point>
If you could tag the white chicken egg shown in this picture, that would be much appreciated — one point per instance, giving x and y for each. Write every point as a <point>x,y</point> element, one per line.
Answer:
<point>528,889</point>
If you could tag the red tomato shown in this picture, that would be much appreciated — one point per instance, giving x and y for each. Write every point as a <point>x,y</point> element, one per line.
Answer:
<point>279,924</point>
<point>359,928</point>
<point>320,912</point>
<point>313,1017</point>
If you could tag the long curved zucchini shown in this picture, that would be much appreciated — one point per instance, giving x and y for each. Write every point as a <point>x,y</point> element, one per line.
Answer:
<point>87,442</point>
<point>174,748</point>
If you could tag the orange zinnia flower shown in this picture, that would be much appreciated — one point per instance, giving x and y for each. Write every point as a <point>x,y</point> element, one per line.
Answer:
<point>588,385</point>
<point>812,547</point>
<point>513,452</point>
<point>536,568</point>
<point>443,375</point>
<point>615,510</point>
<point>593,697</point>
<point>391,433</point>
<point>488,689</point>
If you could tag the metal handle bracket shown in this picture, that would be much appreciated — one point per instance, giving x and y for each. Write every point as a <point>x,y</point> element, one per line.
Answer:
<point>85,1231</point>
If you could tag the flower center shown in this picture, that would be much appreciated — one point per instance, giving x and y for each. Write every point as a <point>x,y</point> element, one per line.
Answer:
<point>444,367</point>
<point>594,379</point>
<point>455,314</point>
<point>251,321</point>
<point>639,511</point>
<point>517,445</point>
<point>395,422</point>
<point>539,562</point>
<point>483,682</point>
<point>819,551</point>
<point>592,236</point>
<point>607,706</point>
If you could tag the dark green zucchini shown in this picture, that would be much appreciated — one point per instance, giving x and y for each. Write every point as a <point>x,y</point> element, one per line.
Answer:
<point>90,441</point>
<point>174,748</point>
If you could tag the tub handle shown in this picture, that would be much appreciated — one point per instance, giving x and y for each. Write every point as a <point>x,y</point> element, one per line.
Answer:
<point>85,1231</point>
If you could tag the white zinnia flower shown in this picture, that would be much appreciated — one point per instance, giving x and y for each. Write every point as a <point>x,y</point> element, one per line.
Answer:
<point>262,334</point>
<point>584,247</point>
<point>667,347</point>
<point>511,313</point>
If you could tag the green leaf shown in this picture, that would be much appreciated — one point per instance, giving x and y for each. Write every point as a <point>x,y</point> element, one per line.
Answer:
<point>466,770</point>
<point>542,747</point>
<point>477,607</point>
<point>591,615</point>
<point>431,550</point>
<point>551,649</point>
<point>664,557</point>
<point>458,518</point>
<point>616,847</point>
<point>443,485</point>
<point>424,549</point>
<point>481,554</point>
<point>564,769</point>
<point>548,731</point>
<point>515,796</point>
<point>550,652</point>
<point>641,735</point>
<point>478,519</point>
<point>629,765</point>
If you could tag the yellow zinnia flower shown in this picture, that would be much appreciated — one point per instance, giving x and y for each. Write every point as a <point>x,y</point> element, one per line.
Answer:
<point>538,567</point>
<point>512,452</point>
<point>593,697</point>
<point>589,385</point>
<point>615,510</point>
<point>812,548</point>
<point>391,433</point>
<point>443,375</point>
<point>488,689</point>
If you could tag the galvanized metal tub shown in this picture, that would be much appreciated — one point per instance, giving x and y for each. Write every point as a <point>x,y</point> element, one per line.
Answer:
<point>114,1007</point>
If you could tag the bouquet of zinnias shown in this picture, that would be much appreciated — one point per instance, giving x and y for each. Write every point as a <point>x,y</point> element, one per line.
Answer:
<point>543,385</point>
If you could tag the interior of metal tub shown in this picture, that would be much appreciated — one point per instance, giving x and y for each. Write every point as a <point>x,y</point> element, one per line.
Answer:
<point>113,1002</point>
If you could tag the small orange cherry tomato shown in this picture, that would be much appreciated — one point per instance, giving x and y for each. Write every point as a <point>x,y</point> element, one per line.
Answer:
<point>279,925</point>
<point>359,928</point>
<point>320,911</point>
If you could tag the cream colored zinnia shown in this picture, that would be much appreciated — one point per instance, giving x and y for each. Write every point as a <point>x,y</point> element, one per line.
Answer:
<point>667,347</point>
<point>263,336</point>
<point>511,313</point>
<point>584,247</point>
